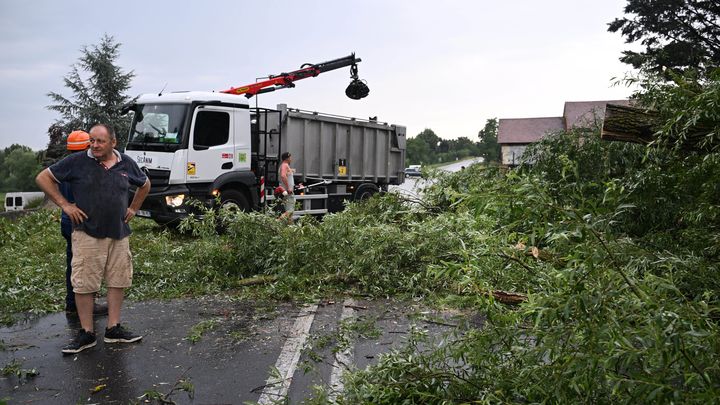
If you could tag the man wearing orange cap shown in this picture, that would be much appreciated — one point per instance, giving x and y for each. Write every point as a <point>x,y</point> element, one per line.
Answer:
<point>77,141</point>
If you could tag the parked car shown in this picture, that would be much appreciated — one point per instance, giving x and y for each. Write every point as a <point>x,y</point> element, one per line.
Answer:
<point>412,171</point>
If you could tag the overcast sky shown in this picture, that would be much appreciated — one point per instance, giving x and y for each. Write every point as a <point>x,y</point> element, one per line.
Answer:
<point>445,65</point>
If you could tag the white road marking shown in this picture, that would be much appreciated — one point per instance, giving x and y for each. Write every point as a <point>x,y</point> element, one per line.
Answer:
<point>286,363</point>
<point>343,359</point>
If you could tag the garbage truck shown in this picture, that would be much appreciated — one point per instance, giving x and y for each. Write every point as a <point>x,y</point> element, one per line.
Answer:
<point>214,147</point>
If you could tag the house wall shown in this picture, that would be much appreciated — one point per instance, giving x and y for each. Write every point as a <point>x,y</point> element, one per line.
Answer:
<point>511,153</point>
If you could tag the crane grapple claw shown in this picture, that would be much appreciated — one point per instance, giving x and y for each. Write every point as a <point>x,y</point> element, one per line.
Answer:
<point>357,89</point>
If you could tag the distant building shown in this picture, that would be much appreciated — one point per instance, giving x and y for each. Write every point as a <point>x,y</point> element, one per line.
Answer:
<point>515,134</point>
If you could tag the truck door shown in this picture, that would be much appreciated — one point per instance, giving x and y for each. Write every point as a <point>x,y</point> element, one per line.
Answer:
<point>210,151</point>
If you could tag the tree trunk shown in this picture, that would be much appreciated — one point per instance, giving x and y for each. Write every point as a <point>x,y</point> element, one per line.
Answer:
<point>629,124</point>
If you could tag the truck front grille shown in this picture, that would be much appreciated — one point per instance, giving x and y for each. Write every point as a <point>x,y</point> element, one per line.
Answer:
<point>158,178</point>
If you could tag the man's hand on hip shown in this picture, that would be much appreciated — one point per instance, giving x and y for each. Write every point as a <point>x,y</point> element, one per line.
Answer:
<point>76,214</point>
<point>130,214</point>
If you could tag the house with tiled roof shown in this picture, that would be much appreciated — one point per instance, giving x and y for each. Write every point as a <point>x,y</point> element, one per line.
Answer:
<point>515,134</point>
<point>587,114</point>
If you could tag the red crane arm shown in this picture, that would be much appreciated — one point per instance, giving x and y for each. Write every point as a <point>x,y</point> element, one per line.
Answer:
<point>281,81</point>
<point>285,80</point>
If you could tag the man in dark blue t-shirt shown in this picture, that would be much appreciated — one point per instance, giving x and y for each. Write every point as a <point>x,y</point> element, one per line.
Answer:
<point>100,181</point>
<point>76,141</point>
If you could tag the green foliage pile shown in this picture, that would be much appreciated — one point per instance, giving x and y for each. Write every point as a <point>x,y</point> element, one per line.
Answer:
<point>611,316</point>
<point>32,277</point>
<point>166,265</point>
<point>617,248</point>
<point>379,247</point>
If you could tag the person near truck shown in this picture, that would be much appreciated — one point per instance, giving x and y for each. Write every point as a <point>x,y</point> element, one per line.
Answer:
<point>287,181</point>
<point>77,141</point>
<point>100,181</point>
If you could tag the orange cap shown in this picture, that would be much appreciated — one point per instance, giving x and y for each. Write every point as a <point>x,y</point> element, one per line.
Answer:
<point>78,140</point>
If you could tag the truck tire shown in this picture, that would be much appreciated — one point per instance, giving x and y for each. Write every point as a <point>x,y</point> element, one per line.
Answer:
<point>234,200</point>
<point>365,191</point>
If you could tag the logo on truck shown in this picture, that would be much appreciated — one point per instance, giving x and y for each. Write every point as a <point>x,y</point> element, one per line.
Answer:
<point>144,159</point>
<point>191,168</point>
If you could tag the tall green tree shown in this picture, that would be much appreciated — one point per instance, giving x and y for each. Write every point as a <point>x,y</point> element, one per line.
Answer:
<point>98,89</point>
<point>677,34</point>
<point>418,152</point>
<point>423,148</point>
<point>430,138</point>
<point>18,167</point>
<point>489,149</point>
<point>428,148</point>
<point>57,147</point>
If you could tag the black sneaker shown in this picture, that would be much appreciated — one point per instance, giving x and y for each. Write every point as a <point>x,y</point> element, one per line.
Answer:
<point>83,340</point>
<point>118,334</point>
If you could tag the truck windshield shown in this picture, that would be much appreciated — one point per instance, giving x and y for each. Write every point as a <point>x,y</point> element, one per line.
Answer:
<point>159,125</point>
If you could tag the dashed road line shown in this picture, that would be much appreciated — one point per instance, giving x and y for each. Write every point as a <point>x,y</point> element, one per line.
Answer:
<point>277,388</point>
<point>343,359</point>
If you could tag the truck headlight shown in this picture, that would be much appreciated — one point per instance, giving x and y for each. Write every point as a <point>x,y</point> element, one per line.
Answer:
<point>175,200</point>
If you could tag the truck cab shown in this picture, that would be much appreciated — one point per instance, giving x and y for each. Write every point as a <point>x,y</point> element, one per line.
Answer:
<point>186,142</point>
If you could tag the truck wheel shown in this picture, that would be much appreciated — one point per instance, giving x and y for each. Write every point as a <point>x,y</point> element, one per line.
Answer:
<point>234,200</point>
<point>366,191</point>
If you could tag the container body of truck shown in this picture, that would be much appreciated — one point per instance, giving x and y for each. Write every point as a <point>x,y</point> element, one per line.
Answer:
<point>213,147</point>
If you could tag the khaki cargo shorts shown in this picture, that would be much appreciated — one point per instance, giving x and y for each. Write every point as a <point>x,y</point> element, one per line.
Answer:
<point>95,259</point>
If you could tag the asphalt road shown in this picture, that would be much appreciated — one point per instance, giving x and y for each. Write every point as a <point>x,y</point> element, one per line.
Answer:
<point>413,185</point>
<point>232,362</point>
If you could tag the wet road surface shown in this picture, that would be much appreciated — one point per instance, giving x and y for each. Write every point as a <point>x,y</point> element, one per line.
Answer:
<point>412,187</point>
<point>231,363</point>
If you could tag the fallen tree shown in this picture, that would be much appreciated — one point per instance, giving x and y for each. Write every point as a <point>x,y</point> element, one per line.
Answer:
<point>629,124</point>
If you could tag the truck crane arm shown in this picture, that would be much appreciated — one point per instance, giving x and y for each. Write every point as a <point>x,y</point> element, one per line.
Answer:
<point>356,90</point>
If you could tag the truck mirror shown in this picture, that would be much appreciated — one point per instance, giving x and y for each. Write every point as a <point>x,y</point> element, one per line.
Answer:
<point>127,108</point>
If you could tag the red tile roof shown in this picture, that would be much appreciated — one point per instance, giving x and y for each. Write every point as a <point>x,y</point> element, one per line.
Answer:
<point>527,130</point>
<point>584,114</point>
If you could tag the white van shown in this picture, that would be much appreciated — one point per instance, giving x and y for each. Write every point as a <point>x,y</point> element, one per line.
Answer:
<point>18,201</point>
